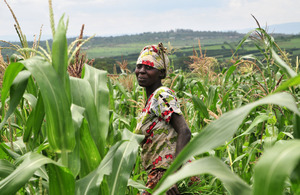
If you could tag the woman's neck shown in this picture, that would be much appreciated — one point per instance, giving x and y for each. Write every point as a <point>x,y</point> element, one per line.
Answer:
<point>151,89</point>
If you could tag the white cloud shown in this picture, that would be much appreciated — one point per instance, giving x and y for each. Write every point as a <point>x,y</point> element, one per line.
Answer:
<point>113,17</point>
<point>235,3</point>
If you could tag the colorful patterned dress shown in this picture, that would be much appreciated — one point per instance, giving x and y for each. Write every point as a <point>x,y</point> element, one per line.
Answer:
<point>159,145</point>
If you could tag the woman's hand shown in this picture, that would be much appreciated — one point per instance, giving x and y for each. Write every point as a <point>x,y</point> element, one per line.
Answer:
<point>173,191</point>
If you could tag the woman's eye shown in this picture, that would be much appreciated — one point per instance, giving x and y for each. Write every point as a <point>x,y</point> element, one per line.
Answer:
<point>149,67</point>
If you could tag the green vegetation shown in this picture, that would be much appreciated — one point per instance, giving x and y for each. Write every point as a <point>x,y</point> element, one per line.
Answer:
<point>108,50</point>
<point>67,135</point>
<point>220,48</point>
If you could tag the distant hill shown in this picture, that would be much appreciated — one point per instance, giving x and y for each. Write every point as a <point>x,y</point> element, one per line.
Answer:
<point>99,47</point>
<point>285,28</point>
<point>180,37</point>
<point>107,51</point>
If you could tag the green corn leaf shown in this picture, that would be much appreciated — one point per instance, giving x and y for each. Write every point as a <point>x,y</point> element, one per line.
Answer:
<point>275,166</point>
<point>77,116</point>
<point>10,74</point>
<point>74,156</point>
<point>82,95</point>
<point>239,158</point>
<point>17,90</point>
<point>289,83</point>
<point>35,120</point>
<point>90,159</point>
<point>122,119</point>
<point>111,95</point>
<point>20,176</point>
<point>61,180</point>
<point>288,70</point>
<point>19,146</point>
<point>60,50</point>
<point>200,106</point>
<point>296,124</point>
<point>30,98</point>
<point>98,81</point>
<point>202,89</point>
<point>122,90</point>
<point>136,184</point>
<point>90,184</point>
<point>222,130</point>
<point>123,162</point>
<point>209,165</point>
<point>259,119</point>
<point>32,87</point>
<point>9,152</point>
<point>41,172</point>
<point>60,129</point>
<point>6,168</point>
<point>245,38</point>
<point>212,97</point>
<point>229,73</point>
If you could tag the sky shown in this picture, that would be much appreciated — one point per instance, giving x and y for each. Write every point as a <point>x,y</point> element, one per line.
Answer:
<point>120,17</point>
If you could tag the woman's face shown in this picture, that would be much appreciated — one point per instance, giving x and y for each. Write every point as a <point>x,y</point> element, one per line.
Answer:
<point>147,76</point>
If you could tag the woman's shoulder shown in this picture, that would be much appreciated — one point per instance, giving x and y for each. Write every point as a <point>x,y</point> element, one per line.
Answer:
<point>163,91</point>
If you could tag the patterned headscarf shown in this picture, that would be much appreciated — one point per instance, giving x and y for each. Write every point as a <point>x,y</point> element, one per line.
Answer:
<point>155,56</point>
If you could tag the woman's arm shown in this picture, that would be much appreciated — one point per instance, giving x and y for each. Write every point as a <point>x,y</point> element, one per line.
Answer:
<point>184,134</point>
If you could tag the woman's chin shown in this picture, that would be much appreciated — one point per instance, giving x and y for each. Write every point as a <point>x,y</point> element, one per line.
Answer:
<point>142,83</point>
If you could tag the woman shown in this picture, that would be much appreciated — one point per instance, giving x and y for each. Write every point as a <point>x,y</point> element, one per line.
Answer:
<point>161,121</point>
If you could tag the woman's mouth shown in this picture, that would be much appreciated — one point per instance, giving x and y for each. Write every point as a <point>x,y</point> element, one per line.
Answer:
<point>141,78</point>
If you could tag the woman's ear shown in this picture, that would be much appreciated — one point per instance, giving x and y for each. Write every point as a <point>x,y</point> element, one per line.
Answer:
<point>162,74</point>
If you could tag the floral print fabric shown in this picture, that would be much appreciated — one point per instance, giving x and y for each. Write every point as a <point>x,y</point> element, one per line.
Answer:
<point>158,147</point>
<point>153,178</point>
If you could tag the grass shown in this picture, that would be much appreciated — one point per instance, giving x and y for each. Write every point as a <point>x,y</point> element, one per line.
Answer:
<point>116,50</point>
<point>127,49</point>
<point>291,43</point>
<point>214,47</point>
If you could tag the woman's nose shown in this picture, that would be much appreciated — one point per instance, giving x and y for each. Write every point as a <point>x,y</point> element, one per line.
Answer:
<point>143,69</point>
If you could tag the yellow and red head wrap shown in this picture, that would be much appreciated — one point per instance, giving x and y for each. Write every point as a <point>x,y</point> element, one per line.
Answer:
<point>155,56</point>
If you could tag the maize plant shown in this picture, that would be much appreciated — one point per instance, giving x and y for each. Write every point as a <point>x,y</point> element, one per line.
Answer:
<point>57,128</point>
<point>66,135</point>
